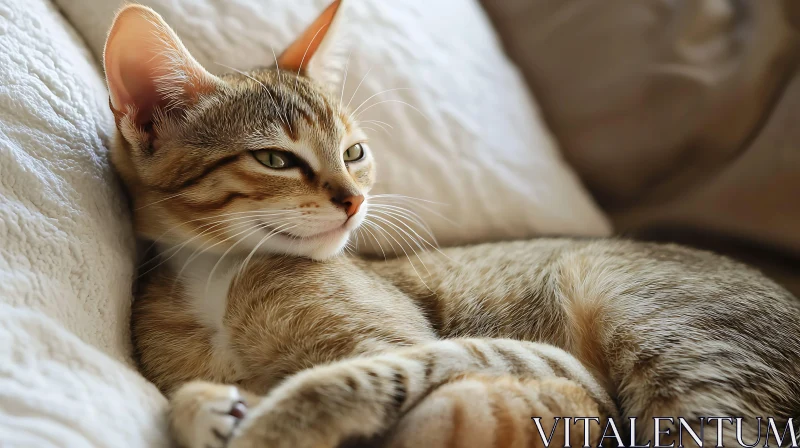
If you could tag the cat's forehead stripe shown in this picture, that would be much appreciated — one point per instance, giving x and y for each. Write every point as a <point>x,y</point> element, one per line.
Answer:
<point>192,177</point>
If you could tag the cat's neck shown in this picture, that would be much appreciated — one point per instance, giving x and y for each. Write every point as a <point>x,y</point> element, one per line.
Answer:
<point>205,276</point>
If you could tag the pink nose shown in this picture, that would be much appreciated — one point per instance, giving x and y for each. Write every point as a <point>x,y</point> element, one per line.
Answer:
<point>350,204</point>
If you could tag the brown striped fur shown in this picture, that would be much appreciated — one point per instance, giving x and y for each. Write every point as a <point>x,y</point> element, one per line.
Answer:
<point>480,411</point>
<point>326,350</point>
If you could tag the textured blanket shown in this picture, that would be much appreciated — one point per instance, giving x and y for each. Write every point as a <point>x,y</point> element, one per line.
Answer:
<point>66,250</point>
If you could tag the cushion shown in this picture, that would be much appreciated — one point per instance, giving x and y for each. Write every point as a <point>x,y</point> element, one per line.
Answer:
<point>678,115</point>
<point>448,116</point>
<point>66,249</point>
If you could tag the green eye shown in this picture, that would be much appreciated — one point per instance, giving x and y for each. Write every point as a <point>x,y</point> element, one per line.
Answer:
<point>272,159</point>
<point>354,153</point>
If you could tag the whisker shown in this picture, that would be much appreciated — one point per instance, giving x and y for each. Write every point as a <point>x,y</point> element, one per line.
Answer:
<point>432,246</point>
<point>275,103</point>
<point>411,262</point>
<point>348,249</point>
<point>410,215</point>
<point>413,201</point>
<point>415,217</point>
<point>247,224</point>
<point>382,232</point>
<point>263,240</point>
<point>399,215</point>
<point>376,130</point>
<point>383,214</point>
<point>412,198</point>
<point>357,87</point>
<point>216,265</point>
<point>344,80</point>
<point>275,56</point>
<point>370,129</point>
<point>203,248</point>
<point>355,238</point>
<point>366,223</point>
<point>177,248</point>
<point>262,225</point>
<point>161,200</point>
<point>278,69</point>
<point>393,101</point>
<point>209,226</point>
<point>399,229</point>
<point>382,124</point>
<point>264,213</point>
<point>379,93</point>
<point>359,234</point>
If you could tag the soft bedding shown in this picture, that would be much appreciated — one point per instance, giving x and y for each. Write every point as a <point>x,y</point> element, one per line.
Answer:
<point>66,250</point>
<point>679,116</point>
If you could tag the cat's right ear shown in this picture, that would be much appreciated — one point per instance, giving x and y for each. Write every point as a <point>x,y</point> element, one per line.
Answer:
<point>148,68</point>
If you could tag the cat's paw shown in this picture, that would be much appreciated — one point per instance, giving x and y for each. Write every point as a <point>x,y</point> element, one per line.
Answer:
<point>327,407</point>
<point>205,415</point>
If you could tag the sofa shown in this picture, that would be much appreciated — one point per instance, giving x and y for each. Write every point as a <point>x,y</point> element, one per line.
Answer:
<point>678,116</point>
<point>496,120</point>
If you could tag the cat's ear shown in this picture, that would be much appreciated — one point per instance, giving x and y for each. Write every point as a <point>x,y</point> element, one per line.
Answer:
<point>317,52</point>
<point>148,68</point>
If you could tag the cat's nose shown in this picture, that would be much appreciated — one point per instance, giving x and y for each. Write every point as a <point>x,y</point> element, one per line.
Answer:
<point>350,203</point>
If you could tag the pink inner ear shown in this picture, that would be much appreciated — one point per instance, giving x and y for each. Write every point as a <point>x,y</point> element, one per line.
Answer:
<point>134,86</point>
<point>303,49</point>
<point>140,53</point>
<point>129,64</point>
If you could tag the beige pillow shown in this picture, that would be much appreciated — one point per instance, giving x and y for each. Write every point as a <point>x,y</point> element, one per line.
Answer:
<point>677,114</point>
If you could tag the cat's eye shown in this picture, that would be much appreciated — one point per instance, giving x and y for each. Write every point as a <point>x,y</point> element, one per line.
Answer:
<point>354,153</point>
<point>272,159</point>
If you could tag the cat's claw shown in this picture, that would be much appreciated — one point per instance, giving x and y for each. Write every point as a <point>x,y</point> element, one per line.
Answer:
<point>216,421</point>
<point>209,422</point>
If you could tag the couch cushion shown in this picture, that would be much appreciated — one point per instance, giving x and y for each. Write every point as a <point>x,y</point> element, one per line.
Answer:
<point>678,115</point>
<point>66,249</point>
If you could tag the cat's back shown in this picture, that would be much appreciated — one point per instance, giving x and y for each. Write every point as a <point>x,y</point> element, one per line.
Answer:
<point>548,260</point>
<point>495,289</point>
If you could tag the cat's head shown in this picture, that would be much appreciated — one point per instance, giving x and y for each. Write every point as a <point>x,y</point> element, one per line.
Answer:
<point>269,158</point>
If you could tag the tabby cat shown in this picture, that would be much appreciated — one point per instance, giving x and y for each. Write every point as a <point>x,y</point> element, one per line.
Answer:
<point>250,184</point>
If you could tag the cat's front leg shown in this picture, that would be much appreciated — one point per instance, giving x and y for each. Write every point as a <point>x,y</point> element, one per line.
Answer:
<point>364,397</point>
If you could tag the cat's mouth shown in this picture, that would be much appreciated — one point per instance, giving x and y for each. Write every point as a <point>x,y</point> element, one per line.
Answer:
<point>336,231</point>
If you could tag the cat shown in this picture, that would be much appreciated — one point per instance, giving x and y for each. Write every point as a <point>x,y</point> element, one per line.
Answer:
<point>264,334</point>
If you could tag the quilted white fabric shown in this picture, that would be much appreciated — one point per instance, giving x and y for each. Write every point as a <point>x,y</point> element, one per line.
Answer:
<point>66,264</point>
<point>66,375</point>
<point>469,138</point>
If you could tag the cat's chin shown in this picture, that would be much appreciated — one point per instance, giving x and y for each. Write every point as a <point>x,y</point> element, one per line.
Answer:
<point>318,247</point>
<point>324,247</point>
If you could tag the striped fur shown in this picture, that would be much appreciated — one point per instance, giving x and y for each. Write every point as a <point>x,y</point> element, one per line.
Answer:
<point>477,411</point>
<point>363,398</point>
<point>263,338</point>
<point>665,330</point>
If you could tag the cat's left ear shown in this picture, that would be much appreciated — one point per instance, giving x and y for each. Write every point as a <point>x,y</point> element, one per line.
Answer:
<point>317,52</point>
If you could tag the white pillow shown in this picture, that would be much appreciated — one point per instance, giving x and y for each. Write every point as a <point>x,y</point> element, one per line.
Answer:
<point>470,140</point>
<point>66,250</point>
